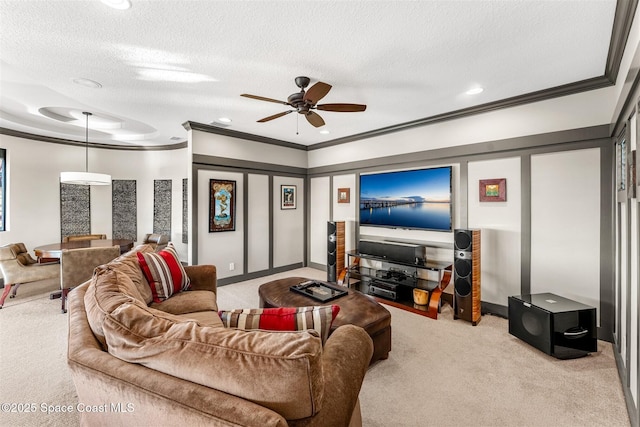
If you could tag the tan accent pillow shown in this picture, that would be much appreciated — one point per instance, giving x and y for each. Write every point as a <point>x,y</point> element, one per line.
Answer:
<point>279,370</point>
<point>108,289</point>
<point>128,264</point>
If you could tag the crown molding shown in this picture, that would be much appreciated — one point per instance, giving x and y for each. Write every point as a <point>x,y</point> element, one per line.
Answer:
<point>189,125</point>
<point>63,141</point>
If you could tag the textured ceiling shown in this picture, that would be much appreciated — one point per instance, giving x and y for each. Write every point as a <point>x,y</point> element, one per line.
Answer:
<point>162,63</point>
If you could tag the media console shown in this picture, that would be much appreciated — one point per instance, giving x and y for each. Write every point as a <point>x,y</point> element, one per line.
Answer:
<point>393,274</point>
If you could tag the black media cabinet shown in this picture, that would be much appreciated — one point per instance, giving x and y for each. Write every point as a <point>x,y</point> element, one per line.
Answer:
<point>393,281</point>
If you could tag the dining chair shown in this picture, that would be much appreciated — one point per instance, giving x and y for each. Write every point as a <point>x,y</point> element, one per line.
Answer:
<point>157,241</point>
<point>77,265</point>
<point>18,267</point>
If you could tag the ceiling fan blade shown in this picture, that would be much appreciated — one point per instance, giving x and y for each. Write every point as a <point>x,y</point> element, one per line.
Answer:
<point>314,119</point>
<point>275,116</point>
<point>343,108</point>
<point>262,98</point>
<point>317,92</point>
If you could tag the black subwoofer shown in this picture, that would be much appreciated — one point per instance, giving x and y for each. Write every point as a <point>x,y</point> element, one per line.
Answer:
<point>558,326</point>
<point>466,275</point>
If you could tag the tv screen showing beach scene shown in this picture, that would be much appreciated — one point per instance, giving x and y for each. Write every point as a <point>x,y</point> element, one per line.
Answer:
<point>412,199</point>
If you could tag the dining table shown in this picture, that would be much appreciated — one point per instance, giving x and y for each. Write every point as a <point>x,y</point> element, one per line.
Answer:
<point>54,250</point>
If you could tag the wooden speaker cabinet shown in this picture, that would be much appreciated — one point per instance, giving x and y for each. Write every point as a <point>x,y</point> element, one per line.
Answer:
<point>335,250</point>
<point>558,326</point>
<point>466,271</point>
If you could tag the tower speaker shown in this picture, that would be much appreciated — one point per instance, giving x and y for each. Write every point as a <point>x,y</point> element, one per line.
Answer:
<point>466,275</point>
<point>335,250</point>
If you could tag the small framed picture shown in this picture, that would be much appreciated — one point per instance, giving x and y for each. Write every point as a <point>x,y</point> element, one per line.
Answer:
<point>493,190</point>
<point>288,197</point>
<point>344,195</point>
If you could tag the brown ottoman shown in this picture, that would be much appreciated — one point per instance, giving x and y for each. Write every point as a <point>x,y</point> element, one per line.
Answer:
<point>356,308</point>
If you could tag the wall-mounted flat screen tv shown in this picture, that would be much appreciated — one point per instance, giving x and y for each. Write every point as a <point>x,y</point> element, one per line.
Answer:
<point>412,199</point>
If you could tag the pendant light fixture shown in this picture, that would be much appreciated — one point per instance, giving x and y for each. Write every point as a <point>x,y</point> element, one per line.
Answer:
<point>86,177</point>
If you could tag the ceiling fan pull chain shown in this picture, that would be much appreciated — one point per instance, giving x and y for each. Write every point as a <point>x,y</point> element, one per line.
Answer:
<point>297,118</point>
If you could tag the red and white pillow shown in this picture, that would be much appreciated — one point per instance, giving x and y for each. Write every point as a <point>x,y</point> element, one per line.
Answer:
<point>164,272</point>
<point>318,318</point>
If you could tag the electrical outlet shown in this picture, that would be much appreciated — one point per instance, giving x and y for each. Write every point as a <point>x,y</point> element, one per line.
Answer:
<point>232,266</point>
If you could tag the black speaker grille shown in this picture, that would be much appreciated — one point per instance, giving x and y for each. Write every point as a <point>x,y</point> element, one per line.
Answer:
<point>463,267</point>
<point>462,240</point>
<point>462,287</point>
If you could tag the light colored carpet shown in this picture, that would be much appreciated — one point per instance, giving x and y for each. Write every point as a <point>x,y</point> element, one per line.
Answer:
<point>439,372</point>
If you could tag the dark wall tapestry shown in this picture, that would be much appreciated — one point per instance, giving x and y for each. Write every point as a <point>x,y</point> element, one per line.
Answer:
<point>75,209</point>
<point>162,206</point>
<point>124,209</point>
<point>185,222</point>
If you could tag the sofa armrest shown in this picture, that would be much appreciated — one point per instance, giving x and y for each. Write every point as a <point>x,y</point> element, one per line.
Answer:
<point>203,277</point>
<point>345,360</point>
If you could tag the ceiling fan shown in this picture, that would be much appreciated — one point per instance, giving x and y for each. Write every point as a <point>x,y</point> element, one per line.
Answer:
<point>305,101</point>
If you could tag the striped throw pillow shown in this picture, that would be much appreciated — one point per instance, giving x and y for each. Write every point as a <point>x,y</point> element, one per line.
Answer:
<point>164,272</point>
<point>318,318</point>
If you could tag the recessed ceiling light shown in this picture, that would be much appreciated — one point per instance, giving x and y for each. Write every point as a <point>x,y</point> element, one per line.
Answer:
<point>118,4</point>
<point>175,138</point>
<point>474,91</point>
<point>87,82</point>
<point>224,119</point>
<point>325,132</point>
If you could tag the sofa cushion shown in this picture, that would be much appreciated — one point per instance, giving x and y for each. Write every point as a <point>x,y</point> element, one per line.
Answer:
<point>318,318</point>
<point>164,272</point>
<point>188,302</point>
<point>108,289</point>
<point>204,318</point>
<point>279,370</point>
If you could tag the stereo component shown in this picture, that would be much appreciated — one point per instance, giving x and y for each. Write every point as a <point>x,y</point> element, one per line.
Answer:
<point>558,326</point>
<point>466,275</point>
<point>393,251</point>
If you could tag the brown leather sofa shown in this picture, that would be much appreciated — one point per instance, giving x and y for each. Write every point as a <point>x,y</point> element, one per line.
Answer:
<point>139,362</point>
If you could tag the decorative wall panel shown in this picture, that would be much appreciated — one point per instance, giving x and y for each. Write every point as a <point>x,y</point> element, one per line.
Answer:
<point>124,209</point>
<point>162,206</point>
<point>75,209</point>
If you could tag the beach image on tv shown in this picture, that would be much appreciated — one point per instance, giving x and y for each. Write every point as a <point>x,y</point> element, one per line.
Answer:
<point>407,199</point>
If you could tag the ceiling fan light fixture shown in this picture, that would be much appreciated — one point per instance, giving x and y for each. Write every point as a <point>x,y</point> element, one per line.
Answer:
<point>86,177</point>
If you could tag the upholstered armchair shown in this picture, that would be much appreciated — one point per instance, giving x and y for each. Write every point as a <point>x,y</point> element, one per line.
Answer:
<point>83,237</point>
<point>157,241</point>
<point>77,265</point>
<point>18,267</point>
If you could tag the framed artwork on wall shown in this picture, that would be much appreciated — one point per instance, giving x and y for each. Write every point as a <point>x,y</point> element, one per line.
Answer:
<point>222,205</point>
<point>344,195</point>
<point>288,197</point>
<point>493,190</point>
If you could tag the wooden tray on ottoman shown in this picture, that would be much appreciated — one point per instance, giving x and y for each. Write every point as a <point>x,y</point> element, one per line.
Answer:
<point>356,308</point>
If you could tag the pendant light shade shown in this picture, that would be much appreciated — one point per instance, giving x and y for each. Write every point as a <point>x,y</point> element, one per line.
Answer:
<point>86,177</point>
